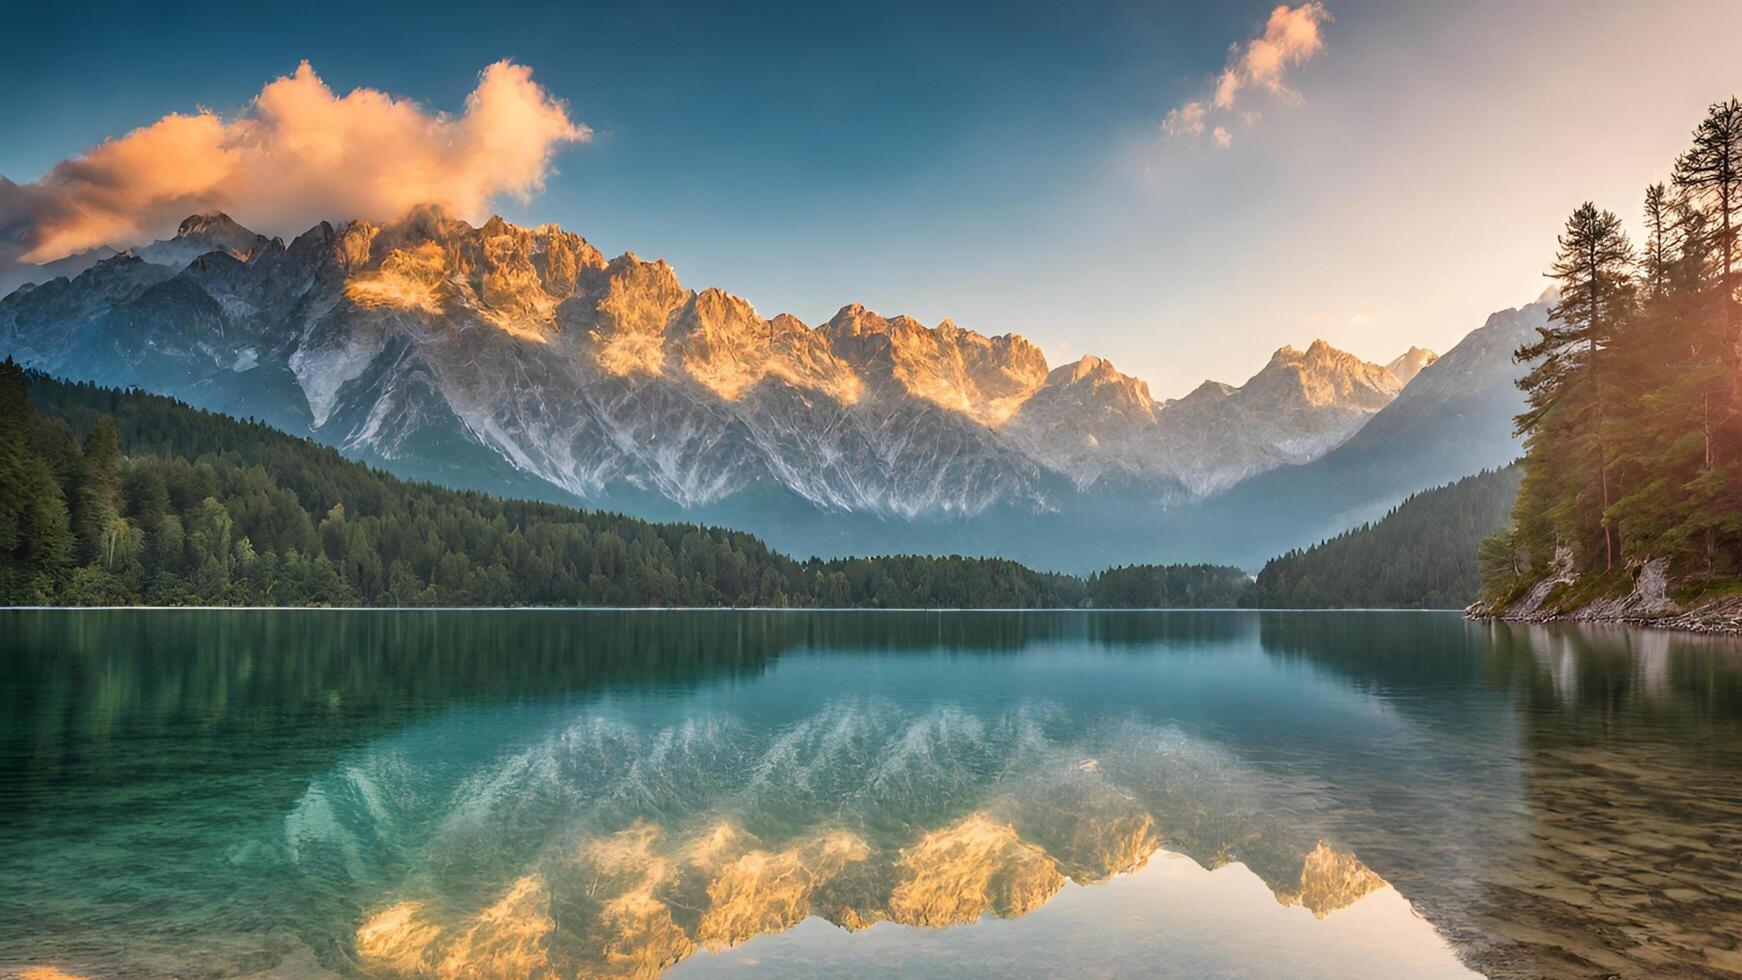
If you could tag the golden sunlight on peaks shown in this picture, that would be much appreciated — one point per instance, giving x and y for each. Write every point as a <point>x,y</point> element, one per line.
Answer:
<point>978,865</point>
<point>395,940</point>
<point>1330,881</point>
<point>628,853</point>
<point>637,937</point>
<point>633,933</point>
<point>624,354</point>
<point>636,902</point>
<point>765,891</point>
<point>48,973</point>
<point>629,331</point>
<point>408,279</point>
<point>728,349</point>
<point>509,939</point>
<point>986,378</point>
<point>1096,850</point>
<point>419,280</point>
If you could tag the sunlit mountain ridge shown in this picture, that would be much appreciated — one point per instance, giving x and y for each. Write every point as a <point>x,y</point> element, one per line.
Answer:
<point>521,360</point>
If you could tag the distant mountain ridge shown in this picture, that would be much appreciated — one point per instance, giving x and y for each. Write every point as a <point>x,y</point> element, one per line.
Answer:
<point>1453,420</point>
<point>523,361</point>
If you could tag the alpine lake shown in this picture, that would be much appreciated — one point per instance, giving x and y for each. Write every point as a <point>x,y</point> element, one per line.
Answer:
<point>210,793</point>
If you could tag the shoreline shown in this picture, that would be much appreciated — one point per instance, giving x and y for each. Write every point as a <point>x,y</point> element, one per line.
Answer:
<point>782,609</point>
<point>1695,623</point>
<point>1721,617</point>
<point>1649,602</point>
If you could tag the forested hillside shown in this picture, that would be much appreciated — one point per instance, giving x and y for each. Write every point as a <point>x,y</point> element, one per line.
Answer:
<point>1634,424</point>
<point>1422,554</point>
<point>111,497</point>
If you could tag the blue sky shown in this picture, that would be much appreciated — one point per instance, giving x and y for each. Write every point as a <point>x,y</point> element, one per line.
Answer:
<point>1003,165</point>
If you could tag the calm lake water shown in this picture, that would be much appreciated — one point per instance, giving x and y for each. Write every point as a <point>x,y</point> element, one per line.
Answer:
<point>870,794</point>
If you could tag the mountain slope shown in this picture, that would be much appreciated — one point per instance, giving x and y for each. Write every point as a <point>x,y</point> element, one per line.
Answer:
<point>1409,364</point>
<point>521,360</point>
<point>1303,404</point>
<point>124,497</point>
<point>1453,419</point>
<point>1420,555</point>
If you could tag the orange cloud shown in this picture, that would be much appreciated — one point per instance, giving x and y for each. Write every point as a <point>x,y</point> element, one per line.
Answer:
<point>1187,120</point>
<point>296,154</point>
<point>1291,37</point>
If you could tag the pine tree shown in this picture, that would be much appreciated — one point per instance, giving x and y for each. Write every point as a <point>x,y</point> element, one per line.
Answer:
<point>1710,172</point>
<point>1660,251</point>
<point>98,512</point>
<point>1566,388</point>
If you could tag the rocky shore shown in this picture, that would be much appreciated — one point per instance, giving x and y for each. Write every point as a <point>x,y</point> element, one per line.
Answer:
<point>1650,603</point>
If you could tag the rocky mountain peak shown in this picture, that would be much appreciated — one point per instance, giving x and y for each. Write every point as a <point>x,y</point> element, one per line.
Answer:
<point>1409,364</point>
<point>728,349</point>
<point>202,233</point>
<point>428,222</point>
<point>1100,374</point>
<point>454,347</point>
<point>1211,390</point>
<point>1324,376</point>
<point>213,223</point>
<point>1087,366</point>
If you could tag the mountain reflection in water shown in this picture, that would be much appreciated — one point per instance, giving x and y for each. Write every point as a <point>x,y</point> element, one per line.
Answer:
<point>643,902</point>
<point>513,793</point>
<point>607,848</point>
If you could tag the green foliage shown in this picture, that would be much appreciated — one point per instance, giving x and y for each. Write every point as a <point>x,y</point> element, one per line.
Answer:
<point>1423,554</point>
<point>1170,586</point>
<point>174,506</point>
<point>1634,433</point>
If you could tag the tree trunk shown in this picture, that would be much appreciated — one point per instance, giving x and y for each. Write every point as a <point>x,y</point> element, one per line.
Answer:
<point>1706,433</point>
<point>1732,330</point>
<point>1597,399</point>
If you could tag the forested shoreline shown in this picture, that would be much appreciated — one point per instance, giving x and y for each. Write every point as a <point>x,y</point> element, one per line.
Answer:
<point>1420,555</point>
<point>123,498</point>
<point>1633,430</point>
<point>1633,460</point>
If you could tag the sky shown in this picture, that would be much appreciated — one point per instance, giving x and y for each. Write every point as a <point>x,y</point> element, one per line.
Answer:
<point>1178,187</point>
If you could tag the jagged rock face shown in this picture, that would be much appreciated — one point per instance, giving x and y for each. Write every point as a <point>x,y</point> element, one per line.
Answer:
<point>200,234</point>
<point>1409,364</point>
<point>437,347</point>
<point>1089,420</point>
<point>1301,406</point>
<point>984,378</point>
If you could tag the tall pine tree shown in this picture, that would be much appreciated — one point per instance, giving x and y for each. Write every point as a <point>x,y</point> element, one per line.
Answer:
<point>1710,172</point>
<point>1567,389</point>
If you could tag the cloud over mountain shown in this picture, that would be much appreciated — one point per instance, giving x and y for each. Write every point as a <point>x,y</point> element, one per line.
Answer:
<point>297,153</point>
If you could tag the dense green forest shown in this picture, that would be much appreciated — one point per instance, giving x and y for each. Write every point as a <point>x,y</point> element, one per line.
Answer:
<point>110,497</point>
<point>1633,429</point>
<point>1420,555</point>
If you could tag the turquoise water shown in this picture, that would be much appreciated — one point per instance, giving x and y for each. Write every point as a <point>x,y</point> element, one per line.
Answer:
<point>301,793</point>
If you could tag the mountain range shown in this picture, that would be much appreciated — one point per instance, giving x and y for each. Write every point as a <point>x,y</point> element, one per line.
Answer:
<point>523,361</point>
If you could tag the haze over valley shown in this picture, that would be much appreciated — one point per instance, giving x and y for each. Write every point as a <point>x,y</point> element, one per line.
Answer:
<point>524,362</point>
